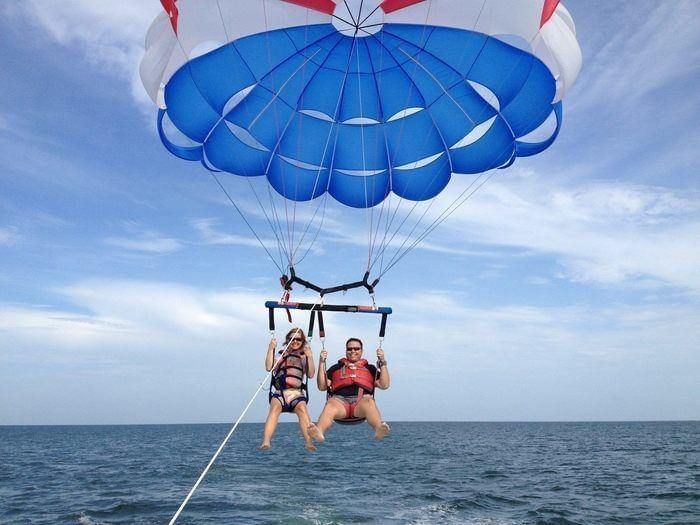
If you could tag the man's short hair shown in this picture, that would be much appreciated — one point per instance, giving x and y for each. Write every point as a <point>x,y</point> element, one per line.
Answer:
<point>354,339</point>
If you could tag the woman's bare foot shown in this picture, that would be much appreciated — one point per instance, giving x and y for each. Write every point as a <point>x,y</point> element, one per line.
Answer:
<point>382,430</point>
<point>310,446</point>
<point>264,446</point>
<point>316,433</point>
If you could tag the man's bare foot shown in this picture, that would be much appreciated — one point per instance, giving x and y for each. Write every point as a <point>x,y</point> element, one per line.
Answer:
<point>310,446</point>
<point>264,446</point>
<point>316,433</point>
<point>382,430</point>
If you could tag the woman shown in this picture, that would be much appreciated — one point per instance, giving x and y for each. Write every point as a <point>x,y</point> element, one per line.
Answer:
<point>288,385</point>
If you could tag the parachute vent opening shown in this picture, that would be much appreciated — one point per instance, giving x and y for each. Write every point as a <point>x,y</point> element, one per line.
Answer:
<point>420,163</point>
<point>404,113</point>
<point>475,134</point>
<point>358,18</point>
<point>245,136</point>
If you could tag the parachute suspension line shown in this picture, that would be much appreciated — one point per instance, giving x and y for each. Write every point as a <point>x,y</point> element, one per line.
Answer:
<point>228,436</point>
<point>281,249</point>
<point>432,201</point>
<point>318,230</point>
<point>443,216</point>
<point>294,247</point>
<point>379,137</point>
<point>403,121</point>
<point>325,151</point>
<point>213,174</point>
<point>466,194</point>
<point>277,122</point>
<point>369,210</point>
<point>245,219</point>
<point>318,172</point>
<point>397,253</point>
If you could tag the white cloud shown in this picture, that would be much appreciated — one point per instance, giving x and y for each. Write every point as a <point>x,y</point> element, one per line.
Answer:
<point>109,316</point>
<point>8,236</point>
<point>601,232</point>
<point>140,239</point>
<point>209,234</point>
<point>651,46</point>
<point>164,336</point>
<point>147,243</point>
<point>111,33</point>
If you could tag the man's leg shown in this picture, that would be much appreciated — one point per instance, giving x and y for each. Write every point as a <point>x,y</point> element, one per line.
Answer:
<point>367,408</point>
<point>334,409</point>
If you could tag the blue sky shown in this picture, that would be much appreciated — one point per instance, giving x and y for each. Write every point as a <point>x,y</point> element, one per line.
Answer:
<point>568,288</point>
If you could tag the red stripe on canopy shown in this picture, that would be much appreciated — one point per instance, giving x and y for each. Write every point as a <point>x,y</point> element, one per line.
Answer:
<point>171,8</point>
<point>389,6</point>
<point>324,6</point>
<point>548,10</point>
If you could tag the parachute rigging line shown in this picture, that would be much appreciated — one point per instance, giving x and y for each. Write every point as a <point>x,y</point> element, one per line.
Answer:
<point>240,212</point>
<point>218,182</point>
<point>422,62</point>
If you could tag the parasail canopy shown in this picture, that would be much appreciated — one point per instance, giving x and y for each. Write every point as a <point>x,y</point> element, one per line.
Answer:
<point>359,99</point>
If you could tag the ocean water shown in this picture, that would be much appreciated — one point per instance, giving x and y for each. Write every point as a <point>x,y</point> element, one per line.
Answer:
<point>424,473</point>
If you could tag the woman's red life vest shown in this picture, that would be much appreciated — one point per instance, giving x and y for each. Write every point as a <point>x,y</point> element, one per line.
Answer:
<point>290,372</point>
<point>349,374</point>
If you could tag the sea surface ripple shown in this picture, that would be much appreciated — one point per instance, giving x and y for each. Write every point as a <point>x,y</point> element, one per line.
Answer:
<point>423,473</point>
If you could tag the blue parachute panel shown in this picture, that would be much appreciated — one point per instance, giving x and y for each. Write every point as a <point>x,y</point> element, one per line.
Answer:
<point>188,110</point>
<point>295,182</point>
<point>226,152</point>
<point>361,148</point>
<point>317,111</point>
<point>296,145</point>
<point>412,139</point>
<point>422,183</point>
<point>359,191</point>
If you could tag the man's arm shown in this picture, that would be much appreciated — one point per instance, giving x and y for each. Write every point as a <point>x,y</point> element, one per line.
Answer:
<point>384,380</point>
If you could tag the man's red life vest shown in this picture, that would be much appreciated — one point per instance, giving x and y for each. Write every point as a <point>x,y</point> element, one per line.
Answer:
<point>349,374</point>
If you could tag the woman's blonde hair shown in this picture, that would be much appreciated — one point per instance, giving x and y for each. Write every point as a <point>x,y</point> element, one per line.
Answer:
<point>295,331</point>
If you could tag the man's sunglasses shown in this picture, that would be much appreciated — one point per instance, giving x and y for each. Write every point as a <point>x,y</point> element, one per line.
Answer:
<point>353,348</point>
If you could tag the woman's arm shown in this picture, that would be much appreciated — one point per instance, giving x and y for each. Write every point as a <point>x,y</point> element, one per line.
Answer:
<point>310,367</point>
<point>270,356</point>
<point>321,379</point>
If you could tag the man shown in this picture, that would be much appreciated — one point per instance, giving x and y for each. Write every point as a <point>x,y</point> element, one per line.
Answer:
<point>351,384</point>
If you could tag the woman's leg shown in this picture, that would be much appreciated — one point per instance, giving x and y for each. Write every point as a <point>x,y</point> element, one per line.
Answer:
<point>302,413</point>
<point>271,422</point>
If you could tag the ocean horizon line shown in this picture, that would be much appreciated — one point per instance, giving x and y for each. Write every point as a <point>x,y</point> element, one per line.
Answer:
<point>495,422</point>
